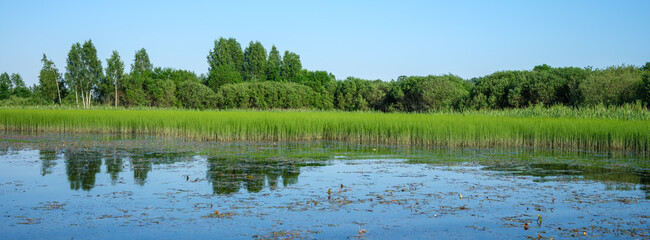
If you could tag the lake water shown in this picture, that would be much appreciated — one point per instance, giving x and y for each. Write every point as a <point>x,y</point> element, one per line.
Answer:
<point>111,186</point>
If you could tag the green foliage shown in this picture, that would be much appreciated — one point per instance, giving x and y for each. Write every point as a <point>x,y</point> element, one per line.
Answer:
<point>195,95</point>
<point>267,95</point>
<point>5,86</point>
<point>490,91</point>
<point>423,94</point>
<point>291,66</point>
<point>222,75</point>
<point>19,88</point>
<point>92,71</point>
<point>514,89</point>
<point>140,88</point>
<point>134,94</point>
<point>646,67</point>
<point>141,63</point>
<point>255,65</point>
<point>168,94</point>
<point>14,100</point>
<point>320,82</point>
<point>568,92</point>
<point>163,83</point>
<point>376,94</point>
<point>645,87</point>
<point>74,67</point>
<point>108,89</point>
<point>612,86</point>
<point>624,112</point>
<point>83,71</point>
<point>349,93</point>
<point>226,52</point>
<point>175,75</point>
<point>274,64</point>
<point>541,68</point>
<point>50,84</point>
<point>232,73</point>
<point>159,92</point>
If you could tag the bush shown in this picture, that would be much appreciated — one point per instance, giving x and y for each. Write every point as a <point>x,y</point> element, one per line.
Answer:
<point>267,95</point>
<point>423,94</point>
<point>195,95</point>
<point>612,86</point>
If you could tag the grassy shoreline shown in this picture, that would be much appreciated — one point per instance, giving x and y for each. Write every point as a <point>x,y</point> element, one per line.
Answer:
<point>442,129</point>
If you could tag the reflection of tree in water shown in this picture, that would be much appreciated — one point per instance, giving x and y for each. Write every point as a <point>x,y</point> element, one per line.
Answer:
<point>141,168</point>
<point>613,178</point>
<point>4,150</point>
<point>81,168</point>
<point>228,175</point>
<point>113,162</point>
<point>48,161</point>
<point>143,163</point>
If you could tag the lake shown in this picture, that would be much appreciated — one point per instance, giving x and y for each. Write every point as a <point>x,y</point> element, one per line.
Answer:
<point>133,186</point>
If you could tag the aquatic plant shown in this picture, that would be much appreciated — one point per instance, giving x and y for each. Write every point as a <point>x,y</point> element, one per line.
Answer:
<point>444,129</point>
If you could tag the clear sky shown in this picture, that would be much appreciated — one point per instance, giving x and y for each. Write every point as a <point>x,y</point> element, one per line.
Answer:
<point>365,39</point>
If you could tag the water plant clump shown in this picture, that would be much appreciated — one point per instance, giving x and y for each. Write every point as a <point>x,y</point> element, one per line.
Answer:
<point>356,127</point>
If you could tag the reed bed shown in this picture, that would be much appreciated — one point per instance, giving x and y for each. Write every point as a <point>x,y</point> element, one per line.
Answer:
<point>364,127</point>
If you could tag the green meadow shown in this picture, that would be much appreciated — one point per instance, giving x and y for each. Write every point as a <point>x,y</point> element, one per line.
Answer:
<point>473,129</point>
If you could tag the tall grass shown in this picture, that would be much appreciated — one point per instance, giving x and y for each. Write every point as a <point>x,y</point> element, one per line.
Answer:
<point>385,128</point>
<point>624,112</point>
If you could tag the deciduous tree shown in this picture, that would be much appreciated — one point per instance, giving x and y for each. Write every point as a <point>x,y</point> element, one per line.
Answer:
<point>226,52</point>
<point>115,73</point>
<point>5,86</point>
<point>274,63</point>
<point>141,63</point>
<point>49,81</point>
<point>20,89</point>
<point>291,65</point>
<point>255,62</point>
<point>74,74</point>
<point>83,71</point>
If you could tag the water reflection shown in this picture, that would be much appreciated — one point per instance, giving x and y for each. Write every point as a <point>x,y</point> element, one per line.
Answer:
<point>624,179</point>
<point>114,166</point>
<point>142,163</point>
<point>229,174</point>
<point>255,167</point>
<point>48,161</point>
<point>81,168</point>
<point>226,174</point>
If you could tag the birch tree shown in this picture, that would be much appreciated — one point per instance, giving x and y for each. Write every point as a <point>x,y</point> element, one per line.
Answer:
<point>115,72</point>
<point>49,78</point>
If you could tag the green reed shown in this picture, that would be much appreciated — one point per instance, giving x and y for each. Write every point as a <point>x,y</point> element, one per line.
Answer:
<point>444,129</point>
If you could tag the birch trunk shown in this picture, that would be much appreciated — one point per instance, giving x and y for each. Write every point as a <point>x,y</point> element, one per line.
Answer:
<point>115,84</point>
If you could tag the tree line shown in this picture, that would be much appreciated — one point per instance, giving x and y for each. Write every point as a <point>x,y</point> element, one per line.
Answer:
<point>250,78</point>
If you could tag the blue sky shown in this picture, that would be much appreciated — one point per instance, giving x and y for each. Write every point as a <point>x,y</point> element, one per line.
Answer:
<point>365,39</point>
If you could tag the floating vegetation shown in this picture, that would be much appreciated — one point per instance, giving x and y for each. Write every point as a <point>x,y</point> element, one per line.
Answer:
<point>175,188</point>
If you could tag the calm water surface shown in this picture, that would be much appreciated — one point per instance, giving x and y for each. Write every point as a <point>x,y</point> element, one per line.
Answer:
<point>99,187</point>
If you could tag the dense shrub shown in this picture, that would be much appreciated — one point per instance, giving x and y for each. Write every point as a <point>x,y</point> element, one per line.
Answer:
<point>612,86</point>
<point>422,94</point>
<point>195,95</point>
<point>267,95</point>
